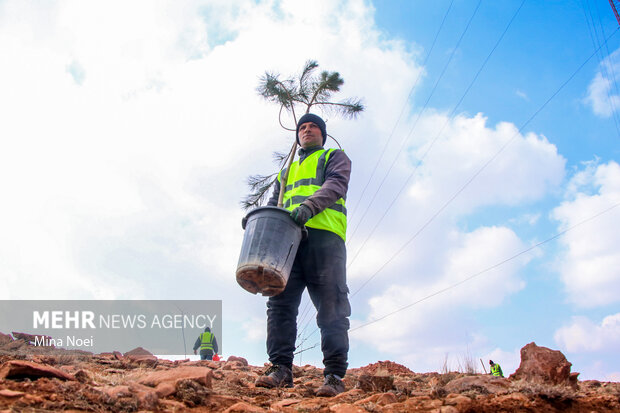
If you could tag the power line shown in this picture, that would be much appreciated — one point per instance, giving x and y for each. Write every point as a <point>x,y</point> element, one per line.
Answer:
<point>402,111</point>
<point>484,166</point>
<point>449,118</point>
<point>605,74</point>
<point>525,251</point>
<point>418,117</point>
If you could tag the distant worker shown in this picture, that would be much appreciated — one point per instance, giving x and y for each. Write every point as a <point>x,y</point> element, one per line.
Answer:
<point>207,343</point>
<point>496,370</point>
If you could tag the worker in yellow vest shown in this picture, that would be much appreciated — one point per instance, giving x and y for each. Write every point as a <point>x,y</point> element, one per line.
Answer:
<point>207,343</point>
<point>496,370</point>
<point>314,193</point>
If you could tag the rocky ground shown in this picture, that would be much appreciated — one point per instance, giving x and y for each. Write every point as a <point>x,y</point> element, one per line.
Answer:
<point>40,379</point>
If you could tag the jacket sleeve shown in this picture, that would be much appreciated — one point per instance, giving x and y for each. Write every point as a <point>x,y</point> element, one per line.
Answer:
<point>337,174</point>
<point>215,349</point>
<point>197,343</point>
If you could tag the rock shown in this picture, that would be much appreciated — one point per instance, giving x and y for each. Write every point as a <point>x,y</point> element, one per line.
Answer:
<point>239,359</point>
<point>284,403</point>
<point>367,382</point>
<point>83,376</point>
<point>147,397</point>
<point>234,365</point>
<point>165,389</point>
<point>148,361</point>
<point>543,365</point>
<point>11,393</point>
<point>198,374</point>
<point>478,384</point>
<point>191,392</point>
<point>5,338</point>
<point>138,351</point>
<point>243,407</point>
<point>17,369</point>
<point>459,401</point>
<point>141,356</point>
<point>346,408</point>
<point>15,345</point>
<point>386,398</point>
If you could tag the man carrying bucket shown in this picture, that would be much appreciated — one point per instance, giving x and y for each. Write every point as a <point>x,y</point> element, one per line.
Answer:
<point>314,193</point>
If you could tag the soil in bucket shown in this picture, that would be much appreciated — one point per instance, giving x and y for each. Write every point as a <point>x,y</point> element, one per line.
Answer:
<point>269,247</point>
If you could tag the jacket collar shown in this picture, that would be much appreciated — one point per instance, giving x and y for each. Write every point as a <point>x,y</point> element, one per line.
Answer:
<point>304,153</point>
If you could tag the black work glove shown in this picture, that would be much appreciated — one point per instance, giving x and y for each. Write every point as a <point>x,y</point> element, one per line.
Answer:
<point>301,214</point>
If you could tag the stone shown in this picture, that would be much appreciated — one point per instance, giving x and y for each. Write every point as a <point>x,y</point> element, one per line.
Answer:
<point>5,338</point>
<point>239,359</point>
<point>478,384</point>
<point>138,351</point>
<point>147,397</point>
<point>17,369</point>
<point>11,393</point>
<point>141,356</point>
<point>346,408</point>
<point>191,392</point>
<point>386,398</point>
<point>367,382</point>
<point>30,338</point>
<point>198,374</point>
<point>243,407</point>
<point>165,389</point>
<point>83,376</point>
<point>284,403</point>
<point>234,365</point>
<point>15,345</point>
<point>543,365</point>
<point>459,401</point>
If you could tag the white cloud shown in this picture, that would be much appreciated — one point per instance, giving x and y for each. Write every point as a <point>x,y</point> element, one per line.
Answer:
<point>602,97</point>
<point>522,95</point>
<point>127,136</point>
<point>525,171</point>
<point>588,265</point>
<point>451,308</point>
<point>584,335</point>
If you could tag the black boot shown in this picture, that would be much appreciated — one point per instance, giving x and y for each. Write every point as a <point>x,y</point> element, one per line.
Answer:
<point>332,386</point>
<point>275,376</point>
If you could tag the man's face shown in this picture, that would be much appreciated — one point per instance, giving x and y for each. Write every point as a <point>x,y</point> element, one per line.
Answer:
<point>310,135</point>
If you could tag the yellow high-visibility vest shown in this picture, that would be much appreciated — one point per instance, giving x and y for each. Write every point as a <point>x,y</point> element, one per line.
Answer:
<point>206,341</point>
<point>303,181</point>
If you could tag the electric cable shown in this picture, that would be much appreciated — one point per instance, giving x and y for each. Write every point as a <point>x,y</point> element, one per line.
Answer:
<point>449,118</point>
<point>525,251</point>
<point>483,167</point>
<point>419,115</point>
<point>402,111</point>
<point>604,73</point>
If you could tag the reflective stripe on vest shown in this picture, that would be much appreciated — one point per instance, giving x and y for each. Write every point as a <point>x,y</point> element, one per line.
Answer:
<point>206,341</point>
<point>495,369</point>
<point>303,181</point>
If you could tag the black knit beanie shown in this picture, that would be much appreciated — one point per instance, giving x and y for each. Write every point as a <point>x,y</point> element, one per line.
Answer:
<point>311,117</point>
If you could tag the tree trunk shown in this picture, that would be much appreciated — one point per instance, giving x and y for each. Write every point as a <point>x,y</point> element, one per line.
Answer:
<point>284,178</point>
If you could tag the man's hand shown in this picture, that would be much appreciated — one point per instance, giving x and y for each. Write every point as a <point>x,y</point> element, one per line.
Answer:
<point>194,351</point>
<point>301,214</point>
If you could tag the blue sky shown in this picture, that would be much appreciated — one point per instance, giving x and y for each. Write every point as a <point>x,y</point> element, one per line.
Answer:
<point>127,138</point>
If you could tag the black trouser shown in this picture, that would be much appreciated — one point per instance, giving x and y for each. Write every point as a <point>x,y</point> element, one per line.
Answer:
<point>206,354</point>
<point>320,265</point>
